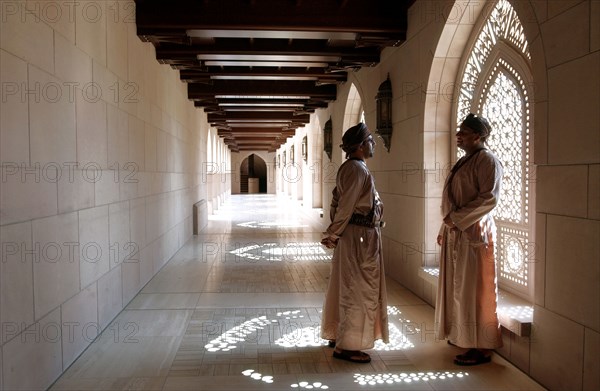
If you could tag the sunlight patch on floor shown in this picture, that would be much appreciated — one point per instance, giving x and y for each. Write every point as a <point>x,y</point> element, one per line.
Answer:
<point>290,252</point>
<point>374,379</point>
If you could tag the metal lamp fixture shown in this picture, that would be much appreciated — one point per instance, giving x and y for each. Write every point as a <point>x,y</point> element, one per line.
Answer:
<point>384,112</point>
<point>328,138</point>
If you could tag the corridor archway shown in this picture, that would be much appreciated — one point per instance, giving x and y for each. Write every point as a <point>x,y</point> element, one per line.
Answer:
<point>253,175</point>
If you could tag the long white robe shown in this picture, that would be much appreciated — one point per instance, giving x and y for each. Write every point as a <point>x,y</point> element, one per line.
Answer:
<point>466,304</point>
<point>355,308</point>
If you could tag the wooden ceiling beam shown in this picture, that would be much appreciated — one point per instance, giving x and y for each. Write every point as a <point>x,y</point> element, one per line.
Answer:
<point>358,16</point>
<point>206,73</point>
<point>244,88</point>
<point>273,116</point>
<point>259,68</point>
<point>254,130</point>
<point>262,140</point>
<point>240,49</point>
<point>214,103</point>
<point>261,148</point>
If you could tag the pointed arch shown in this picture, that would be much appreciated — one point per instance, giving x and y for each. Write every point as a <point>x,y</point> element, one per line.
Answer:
<point>508,34</point>
<point>496,83</point>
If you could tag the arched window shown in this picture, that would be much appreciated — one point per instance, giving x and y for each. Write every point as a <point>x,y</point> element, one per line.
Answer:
<point>496,84</point>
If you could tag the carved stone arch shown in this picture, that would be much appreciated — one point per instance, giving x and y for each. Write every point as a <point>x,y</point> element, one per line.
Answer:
<point>457,35</point>
<point>439,118</point>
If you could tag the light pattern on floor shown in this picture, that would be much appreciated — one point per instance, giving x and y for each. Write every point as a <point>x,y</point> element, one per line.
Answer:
<point>307,385</point>
<point>291,252</point>
<point>398,339</point>
<point>269,379</point>
<point>253,316</point>
<point>271,224</point>
<point>228,340</point>
<point>374,379</point>
<point>257,376</point>
<point>297,337</point>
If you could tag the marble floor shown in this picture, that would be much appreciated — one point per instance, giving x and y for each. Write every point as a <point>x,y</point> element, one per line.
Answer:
<point>238,308</point>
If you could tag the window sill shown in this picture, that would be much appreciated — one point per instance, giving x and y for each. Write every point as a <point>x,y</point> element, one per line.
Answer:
<point>514,313</point>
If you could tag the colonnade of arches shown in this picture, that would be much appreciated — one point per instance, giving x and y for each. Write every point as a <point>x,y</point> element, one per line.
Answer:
<point>494,79</point>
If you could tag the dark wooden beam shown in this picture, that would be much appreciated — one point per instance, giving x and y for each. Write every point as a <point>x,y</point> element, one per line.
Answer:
<point>266,88</point>
<point>244,139</point>
<point>311,50</point>
<point>268,149</point>
<point>360,16</point>
<point>202,75</point>
<point>244,60</point>
<point>259,117</point>
<point>213,104</point>
<point>254,131</point>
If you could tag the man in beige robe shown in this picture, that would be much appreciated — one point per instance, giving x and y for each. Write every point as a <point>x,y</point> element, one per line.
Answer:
<point>466,304</point>
<point>355,308</point>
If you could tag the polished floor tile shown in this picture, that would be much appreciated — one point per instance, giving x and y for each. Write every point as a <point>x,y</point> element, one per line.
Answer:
<point>239,307</point>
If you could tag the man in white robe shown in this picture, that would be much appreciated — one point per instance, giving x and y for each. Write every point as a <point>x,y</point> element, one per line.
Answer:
<point>355,308</point>
<point>466,304</point>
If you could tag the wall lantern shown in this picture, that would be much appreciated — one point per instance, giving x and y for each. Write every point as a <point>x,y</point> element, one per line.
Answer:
<point>305,148</point>
<point>292,154</point>
<point>327,138</point>
<point>384,112</point>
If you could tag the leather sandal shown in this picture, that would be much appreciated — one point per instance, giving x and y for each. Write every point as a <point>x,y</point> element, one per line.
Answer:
<point>353,356</point>
<point>472,357</point>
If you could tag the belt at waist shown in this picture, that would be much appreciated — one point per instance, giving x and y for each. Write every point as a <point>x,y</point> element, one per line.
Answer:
<point>365,221</point>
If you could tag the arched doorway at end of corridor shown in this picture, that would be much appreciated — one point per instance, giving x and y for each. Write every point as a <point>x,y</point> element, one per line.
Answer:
<point>253,175</point>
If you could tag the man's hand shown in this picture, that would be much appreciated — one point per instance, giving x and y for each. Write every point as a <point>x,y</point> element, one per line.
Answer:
<point>448,221</point>
<point>329,242</point>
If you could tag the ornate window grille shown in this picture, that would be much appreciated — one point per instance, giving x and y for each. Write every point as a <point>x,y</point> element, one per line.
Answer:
<point>495,85</point>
